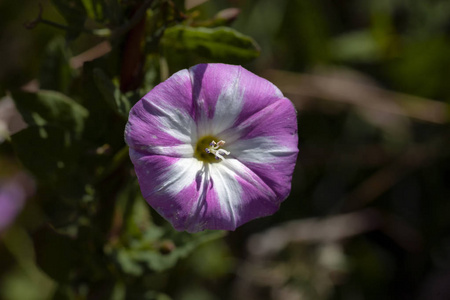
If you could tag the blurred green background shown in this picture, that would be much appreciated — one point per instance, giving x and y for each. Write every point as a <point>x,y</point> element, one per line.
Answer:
<point>368,216</point>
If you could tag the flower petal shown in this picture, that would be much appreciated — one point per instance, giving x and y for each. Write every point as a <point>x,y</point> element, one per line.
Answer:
<point>12,198</point>
<point>258,94</point>
<point>240,196</point>
<point>194,196</point>
<point>278,119</point>
<point>163,121</point>
<point>272,162</point>
<point>166,183</point>
<point>228,95</point>
<point>229,103</point>
<point>179,189</point>
<point>268,145</point>
<point>217,96</point>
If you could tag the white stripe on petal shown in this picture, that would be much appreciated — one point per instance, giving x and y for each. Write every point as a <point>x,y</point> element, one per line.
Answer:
<point>195,222</point>
<point>259,150</point>
<point>228,106</point>
<point>175,122</point>
<point>228,191</point>
<point>225,178</point>
<point>179,175</point>
<point>183,150</point>
<point>242,171</point>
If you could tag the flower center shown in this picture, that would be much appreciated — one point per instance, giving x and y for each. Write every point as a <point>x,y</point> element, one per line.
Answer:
<point>208,150</point>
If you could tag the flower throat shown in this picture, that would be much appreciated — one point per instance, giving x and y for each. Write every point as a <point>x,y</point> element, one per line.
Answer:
<point>208,150</point>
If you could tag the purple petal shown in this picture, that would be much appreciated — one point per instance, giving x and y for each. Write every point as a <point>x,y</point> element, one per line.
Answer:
<point>279,119</point>
<point>259,94</point>
<point>163,121</point>
<point>12,199</point>
<point>209,82</point>
<point>194,196</point>
<point>217,96</point>
<point>269,159</point>
<point>268,141</point>
<point>240,196</point>
<point>179,189</point>
<point>229,103</point>
<point>228,95</point>
<point>168,184</point>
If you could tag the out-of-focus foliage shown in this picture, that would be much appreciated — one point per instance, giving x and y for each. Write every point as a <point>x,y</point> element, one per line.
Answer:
<point>218,44</point>
<point>368,215</point>
<point>94,236</point>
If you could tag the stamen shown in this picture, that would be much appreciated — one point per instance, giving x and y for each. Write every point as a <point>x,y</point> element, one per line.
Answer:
<point>214,149</point>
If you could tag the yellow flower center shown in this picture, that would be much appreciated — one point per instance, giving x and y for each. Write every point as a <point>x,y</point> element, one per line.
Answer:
<point>208,150</point>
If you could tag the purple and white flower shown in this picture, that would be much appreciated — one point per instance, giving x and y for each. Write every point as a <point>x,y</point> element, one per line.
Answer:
<point>213,147</point>
<point>13,194</point>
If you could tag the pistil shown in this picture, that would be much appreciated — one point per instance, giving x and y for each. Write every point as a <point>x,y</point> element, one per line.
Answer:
<point>214,148</point>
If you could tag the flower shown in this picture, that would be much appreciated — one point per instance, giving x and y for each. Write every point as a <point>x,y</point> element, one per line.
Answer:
<point>12,199</point>
<point>213,147</point>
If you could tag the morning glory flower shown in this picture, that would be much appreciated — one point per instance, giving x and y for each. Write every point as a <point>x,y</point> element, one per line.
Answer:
<point>213,147</point>
<point>12,200</point>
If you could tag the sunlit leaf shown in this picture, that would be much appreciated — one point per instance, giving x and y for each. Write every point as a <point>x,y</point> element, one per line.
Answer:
<point>220,44</point>
<point>158,252</point>
<point>359,46</point>
<point>94,8</point>
<point>51,108</point>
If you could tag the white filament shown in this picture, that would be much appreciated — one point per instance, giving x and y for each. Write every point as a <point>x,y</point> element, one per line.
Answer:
<point>214,148</point>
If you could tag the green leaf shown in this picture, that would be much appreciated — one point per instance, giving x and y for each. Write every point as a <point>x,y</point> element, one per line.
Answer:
<point>158,252</point>
<point>74,13</point>
<point>152,295</point>
<point>111,93</point>
<point>358,46</point>
<point>184,244</point>
<point>56,254</point>
<point>113,12</point>
<point>51,108</point>
<point>94,9</point>
<point>18,245</point>
<point>145,247</point>
<point>64,292</point>
<point>221,44</point>
<point>56,73</point>
<point>144,294</point>
<point>50,153</point>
